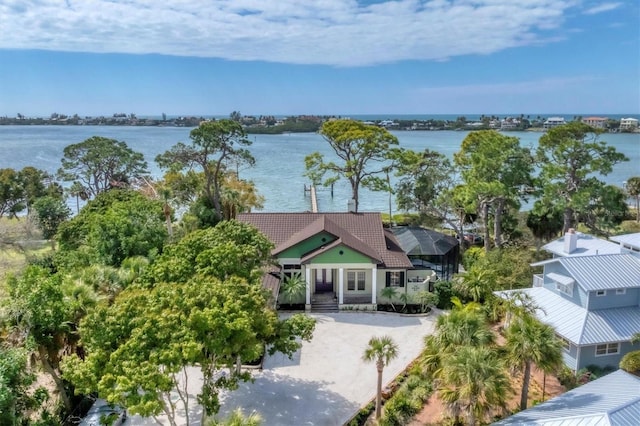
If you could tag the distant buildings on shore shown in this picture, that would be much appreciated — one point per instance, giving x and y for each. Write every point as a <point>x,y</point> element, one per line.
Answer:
<point>311,123</point>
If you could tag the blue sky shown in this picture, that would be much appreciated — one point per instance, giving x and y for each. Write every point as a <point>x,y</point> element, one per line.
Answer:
<point>210,57</point>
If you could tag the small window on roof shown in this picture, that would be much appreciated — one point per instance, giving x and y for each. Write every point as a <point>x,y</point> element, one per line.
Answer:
<point>600,293</point>
<point>621,290</point>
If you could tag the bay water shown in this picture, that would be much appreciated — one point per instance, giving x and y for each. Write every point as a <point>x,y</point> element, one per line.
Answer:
<point>279,170</point>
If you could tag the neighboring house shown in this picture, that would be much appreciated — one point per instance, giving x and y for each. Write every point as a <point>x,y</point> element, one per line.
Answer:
<point>344,257</point>
<point>629,243</point>
<point>628,124</point>
<point>552,122</point>
<point>592,301</point>
<point>509,124</point>
<point>596,122</point>
<point>578,244</point>
<point>610,400</point>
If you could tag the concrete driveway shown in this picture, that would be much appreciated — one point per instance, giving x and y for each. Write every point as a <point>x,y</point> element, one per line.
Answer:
<point>326,382</point>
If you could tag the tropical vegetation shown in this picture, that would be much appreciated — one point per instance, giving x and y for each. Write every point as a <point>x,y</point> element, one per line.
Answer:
<point>152,277</point>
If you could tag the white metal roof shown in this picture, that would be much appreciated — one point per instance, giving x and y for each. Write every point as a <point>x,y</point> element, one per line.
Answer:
<point>610,400</point>
<point>632,240</point>
<point>562,279</point>
<point>610,325</point>
<point>586,245</point>
<point>580,326</point>
<point>605,272</point>
<point>565,317</point>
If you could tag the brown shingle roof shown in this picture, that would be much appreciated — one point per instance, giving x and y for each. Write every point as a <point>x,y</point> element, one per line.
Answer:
<point>362,232</point>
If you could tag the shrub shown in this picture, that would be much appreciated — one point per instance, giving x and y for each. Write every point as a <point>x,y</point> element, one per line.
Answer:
<point>444,291</point>
<point>471,256</point>
<point>362,416</point>
<point>631,362</point>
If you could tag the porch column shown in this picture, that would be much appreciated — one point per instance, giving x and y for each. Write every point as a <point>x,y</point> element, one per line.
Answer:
<point>374,284</point>
<point>308,280</point>
<point>340,286</point>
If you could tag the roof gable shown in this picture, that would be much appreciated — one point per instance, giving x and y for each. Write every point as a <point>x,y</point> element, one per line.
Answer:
<point>604,272</point>
<point>577,324</point>
<point>362,232</point>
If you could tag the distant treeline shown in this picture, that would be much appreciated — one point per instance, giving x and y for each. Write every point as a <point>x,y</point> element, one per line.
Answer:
<point>269,124</point>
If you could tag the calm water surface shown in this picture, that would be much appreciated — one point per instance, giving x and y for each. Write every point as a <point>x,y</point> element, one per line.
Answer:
<point>279,169</point>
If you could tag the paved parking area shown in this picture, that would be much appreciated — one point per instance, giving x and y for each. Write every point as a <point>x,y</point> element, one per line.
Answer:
<point>326,382</point>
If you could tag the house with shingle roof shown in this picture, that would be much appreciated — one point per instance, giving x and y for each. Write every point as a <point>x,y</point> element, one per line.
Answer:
<point>613,399</point>
<point>592,300</point>
<point>345,257</point>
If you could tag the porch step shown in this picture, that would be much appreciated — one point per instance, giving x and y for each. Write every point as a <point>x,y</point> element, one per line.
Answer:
<point>323,306</point>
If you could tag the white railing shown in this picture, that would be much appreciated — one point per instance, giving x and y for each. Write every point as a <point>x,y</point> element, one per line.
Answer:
<point>538,280</point>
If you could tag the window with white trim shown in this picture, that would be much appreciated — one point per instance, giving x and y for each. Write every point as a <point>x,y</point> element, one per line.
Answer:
<point>356,280</point>
<point>620,291</point>
<point>600,293</point>
<point>607,349</point>
<point>395,279</point>
<point>565,288</point>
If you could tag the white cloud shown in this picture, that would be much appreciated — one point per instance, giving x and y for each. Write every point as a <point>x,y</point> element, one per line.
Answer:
<point>604,7</point>
<point>329,32</point>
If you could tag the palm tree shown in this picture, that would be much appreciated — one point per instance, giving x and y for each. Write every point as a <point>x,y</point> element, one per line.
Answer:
<point>473,381</point>
<point>381,350</point>
<point>476,284</point>
<point>515,305</point>
<point>463,326</point>
<point>292,287</point>
<point>633,189</point>
<point>390,293</point>
<point>529,341</point>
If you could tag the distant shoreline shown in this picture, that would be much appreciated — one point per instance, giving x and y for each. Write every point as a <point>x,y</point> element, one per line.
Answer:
<point>312,123</point>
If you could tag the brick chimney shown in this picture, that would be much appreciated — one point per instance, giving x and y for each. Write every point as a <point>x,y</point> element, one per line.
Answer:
<point>570,241</point>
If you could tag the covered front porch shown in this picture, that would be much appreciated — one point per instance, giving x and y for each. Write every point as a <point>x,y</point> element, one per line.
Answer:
<point>347,285</point>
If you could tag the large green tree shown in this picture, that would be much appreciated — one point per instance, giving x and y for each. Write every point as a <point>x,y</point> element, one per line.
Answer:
<point>230,248</point>
<point>571,160</point>
<point>140,348</point>
<point>42,318</point>
<point>215,146</point>
<point>528,342</point>
<point>38,183</point>
<point>606,210</point>
<point>363,152</point>
<point>201,304</point>
<point>426,183</point>
<point>98,164</point>
<point>12,194</point>
<point>633,189</point>
<point>497,173</point>
<point>380,350</point>
<point>17,396</point>
<point>112,227</point>
<point>545,221</point>
<point>50,213</point>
